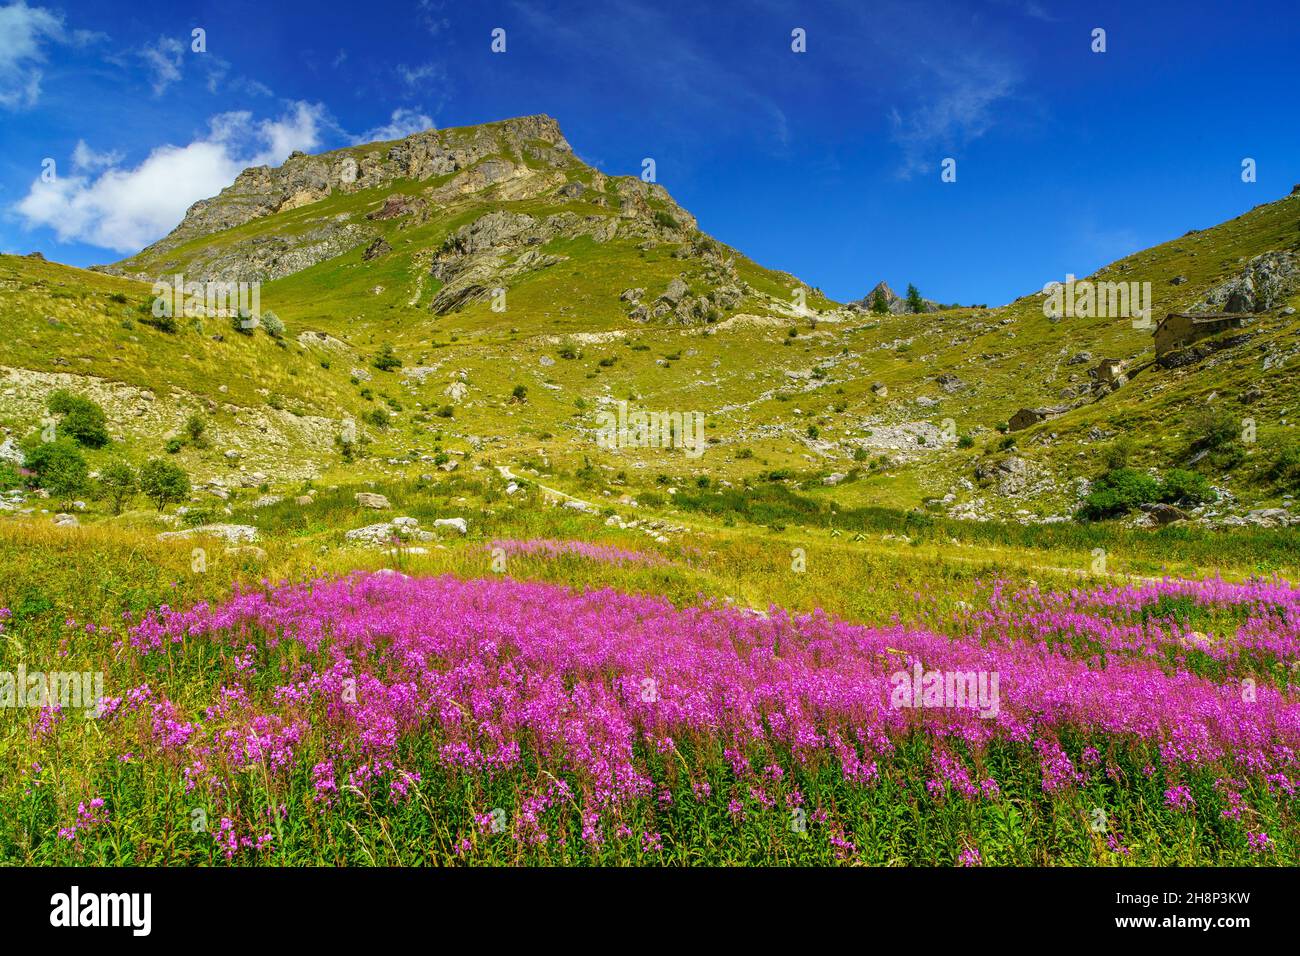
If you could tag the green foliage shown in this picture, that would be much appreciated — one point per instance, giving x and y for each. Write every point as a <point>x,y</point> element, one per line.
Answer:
<point>520,393</point>
<point>163,483</point>
<point>1182,487</point>
<point>273,324</point>
<point>377,417</point>
<point>879,304</point>
<point>1284,469</point>
<point>83,420</point>
<point>1213,428</point>
<point>1118,453</point>
<point>386,359</point>
<point>664,220</point>
<point>914,301</point>
<point>59,468</point>
<point>195,429</point>
<point>1119,492</point>
<point>118,483</point>
<point>163,323</point>
<point>9,477</point>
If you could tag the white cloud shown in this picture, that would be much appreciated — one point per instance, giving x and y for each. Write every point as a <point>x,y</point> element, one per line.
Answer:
<point>126,209</point>
<point>418,75</point>
<point>85,159</point>
<point>403,123</point>
<point>164,59</point>
<point>431,16</point>
<point>957,110</point>
<point>23,33</point>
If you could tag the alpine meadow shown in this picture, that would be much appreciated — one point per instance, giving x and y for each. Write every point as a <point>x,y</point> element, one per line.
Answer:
<point>453,496</point>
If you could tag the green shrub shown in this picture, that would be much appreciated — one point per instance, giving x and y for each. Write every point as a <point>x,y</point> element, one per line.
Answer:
<point>59,468</point>
<point>386,359</point>
<point>273,324</point>
<point>9,477</point>
<point>1284,470</point>
<point>195,427</point>
<point>174,446</point>
<point>1213,428</point>
<point>83,421</point>
<point>163,323</point>
<point>1118,453</point>
<point>1119,492</point>
<point>1182,487</point>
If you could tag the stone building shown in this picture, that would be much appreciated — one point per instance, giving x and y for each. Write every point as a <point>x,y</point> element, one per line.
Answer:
<point>1179,329</point>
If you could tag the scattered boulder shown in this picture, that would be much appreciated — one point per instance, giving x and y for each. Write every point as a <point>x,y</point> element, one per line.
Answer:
<point>1164,514</point>
<point>368,499</point>
<point>247,552</point>
<point>230,533</point>
<point>455,524</point>
<point>1269,518</point>
<point>63,520</point>
<point>385,532</point>
<point>675,292</point>
<point>10,452</point>
<point>379,247</point>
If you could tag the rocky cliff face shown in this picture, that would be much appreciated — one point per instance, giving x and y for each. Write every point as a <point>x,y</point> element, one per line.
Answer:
<point>516,159</point>
<point>534,141</point>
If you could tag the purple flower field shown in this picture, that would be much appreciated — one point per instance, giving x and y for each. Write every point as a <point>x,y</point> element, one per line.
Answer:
<point>502,720</point>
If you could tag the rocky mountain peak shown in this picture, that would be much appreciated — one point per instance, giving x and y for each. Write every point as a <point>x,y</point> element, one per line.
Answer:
<point>895,304</point>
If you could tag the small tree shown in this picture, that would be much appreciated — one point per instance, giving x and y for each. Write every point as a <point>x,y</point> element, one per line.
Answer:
<point>879,305</point>
<point>163,483</point>
<point>273,324</point>
<point>83,421</point>
<point>195,426</point>
<point>59,468</point>
<point>386,359</point>
<point>520,394</point>
<point>914,301</point>
<point>118,483</point>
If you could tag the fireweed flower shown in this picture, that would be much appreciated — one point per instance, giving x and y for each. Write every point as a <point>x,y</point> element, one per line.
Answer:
<point>498,673</point>
<point>1258,842</point>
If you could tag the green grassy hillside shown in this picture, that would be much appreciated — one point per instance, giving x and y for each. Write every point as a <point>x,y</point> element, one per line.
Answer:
<point>404,245</point>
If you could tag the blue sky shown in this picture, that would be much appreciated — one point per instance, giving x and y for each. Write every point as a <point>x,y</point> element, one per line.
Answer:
<point>824,163</point>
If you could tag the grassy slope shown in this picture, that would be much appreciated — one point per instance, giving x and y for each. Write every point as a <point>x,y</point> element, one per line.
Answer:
<point>749,377</point>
